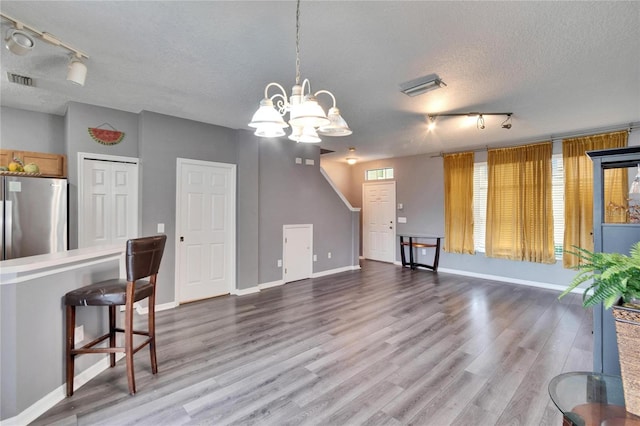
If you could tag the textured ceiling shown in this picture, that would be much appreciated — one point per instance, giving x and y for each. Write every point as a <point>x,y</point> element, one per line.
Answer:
<point>558,66</point>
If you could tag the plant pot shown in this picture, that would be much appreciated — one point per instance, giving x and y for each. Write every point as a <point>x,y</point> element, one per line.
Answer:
<point>628,335</point>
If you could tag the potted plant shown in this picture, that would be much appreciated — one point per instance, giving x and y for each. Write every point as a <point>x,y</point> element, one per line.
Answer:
<point>615,282</point>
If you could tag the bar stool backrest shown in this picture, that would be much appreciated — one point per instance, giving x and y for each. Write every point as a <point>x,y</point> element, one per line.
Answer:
<point>143,256</point>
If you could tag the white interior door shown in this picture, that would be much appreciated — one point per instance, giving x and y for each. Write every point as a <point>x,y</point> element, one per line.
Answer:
<point>206,229</point>
<point>108,202</point>
<point>379,227</point>
<point>297,252</point>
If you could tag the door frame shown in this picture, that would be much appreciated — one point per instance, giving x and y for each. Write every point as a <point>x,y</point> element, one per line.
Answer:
<point>395,219</point>
<point>309,227</point>
<point>233,285</point>
<point>82,156</point>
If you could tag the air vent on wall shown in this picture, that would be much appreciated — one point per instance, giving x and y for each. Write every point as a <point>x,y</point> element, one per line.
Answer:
<point>20,79</point>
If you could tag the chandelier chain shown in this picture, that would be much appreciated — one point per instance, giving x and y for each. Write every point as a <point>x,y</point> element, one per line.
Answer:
<point>298,43</point>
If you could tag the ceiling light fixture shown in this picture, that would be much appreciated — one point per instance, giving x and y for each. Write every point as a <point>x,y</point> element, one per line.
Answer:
<point>422,85</point>
<point>306,116</point>
<point>77,71</point>
<point>20,41</point>
<point>480,124</point>
<point>351,160</point>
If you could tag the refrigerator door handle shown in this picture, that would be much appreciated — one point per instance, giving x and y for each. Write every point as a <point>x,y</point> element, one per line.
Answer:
<point>8,230</point>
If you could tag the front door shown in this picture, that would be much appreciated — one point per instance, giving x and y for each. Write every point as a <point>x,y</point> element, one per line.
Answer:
<point>205,229</point>
<point>378,221</point>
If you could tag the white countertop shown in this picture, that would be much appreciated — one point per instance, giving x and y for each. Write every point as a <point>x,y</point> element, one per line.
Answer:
<point>13,270</point>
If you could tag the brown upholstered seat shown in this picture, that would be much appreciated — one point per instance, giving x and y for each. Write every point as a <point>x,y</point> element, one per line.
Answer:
<point>143,256</point>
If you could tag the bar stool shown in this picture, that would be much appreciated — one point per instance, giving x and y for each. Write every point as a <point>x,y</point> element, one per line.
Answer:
<point>143,257</point>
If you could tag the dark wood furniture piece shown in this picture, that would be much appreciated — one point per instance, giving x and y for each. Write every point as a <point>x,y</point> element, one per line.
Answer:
<point>610,237</point>
<point>142,260</point>
<point>587,398</point>
<point>415,243</point>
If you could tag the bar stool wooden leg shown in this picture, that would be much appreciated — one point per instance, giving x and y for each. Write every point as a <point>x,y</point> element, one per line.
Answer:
<point>152,330</point>
<point>71,325</point>
<point>112,334</point>
<point>128,339</point>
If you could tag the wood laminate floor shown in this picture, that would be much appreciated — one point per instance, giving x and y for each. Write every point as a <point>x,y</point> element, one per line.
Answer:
<point>379,346</point>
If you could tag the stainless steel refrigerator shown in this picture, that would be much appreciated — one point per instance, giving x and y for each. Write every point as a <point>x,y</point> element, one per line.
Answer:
<point>34,216</point>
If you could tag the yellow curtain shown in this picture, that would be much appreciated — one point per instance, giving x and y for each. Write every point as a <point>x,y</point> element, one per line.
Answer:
<point>519,204</point>
<point>578,191</point>
<point>458,199</point>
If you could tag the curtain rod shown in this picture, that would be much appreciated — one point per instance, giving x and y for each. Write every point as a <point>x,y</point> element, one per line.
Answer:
<point>554,138</point>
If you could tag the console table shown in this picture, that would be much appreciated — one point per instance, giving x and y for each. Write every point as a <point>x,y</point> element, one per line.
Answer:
<point>586,398</point>
<point>416,241</point>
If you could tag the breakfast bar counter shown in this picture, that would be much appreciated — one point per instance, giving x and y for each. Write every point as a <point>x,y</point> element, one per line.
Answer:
<point>32,324</point>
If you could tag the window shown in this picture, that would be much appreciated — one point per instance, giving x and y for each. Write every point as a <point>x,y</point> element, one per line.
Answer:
<point>378,174</point>
<point>480,204</point>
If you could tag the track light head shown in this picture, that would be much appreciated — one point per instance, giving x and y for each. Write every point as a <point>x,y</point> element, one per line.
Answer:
<point>77,71</point>
<point>506,124</point>
<point>18,42</point>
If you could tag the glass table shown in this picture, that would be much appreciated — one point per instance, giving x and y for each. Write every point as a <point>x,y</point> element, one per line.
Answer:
<point>587,399</point>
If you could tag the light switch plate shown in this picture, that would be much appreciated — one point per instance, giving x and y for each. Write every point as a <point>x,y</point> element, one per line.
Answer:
<point>402,219</point>
<point>161,227</point>
<point>298,160</point>
<point>309,162</point>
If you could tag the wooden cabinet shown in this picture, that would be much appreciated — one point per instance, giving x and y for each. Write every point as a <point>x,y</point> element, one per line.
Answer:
<point>52,165</point>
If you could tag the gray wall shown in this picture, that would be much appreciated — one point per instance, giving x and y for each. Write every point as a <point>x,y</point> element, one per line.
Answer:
<point>163,139</point>
<point>31,131</point>
<point>293,193</point>
<point>248,212</point>
<point>78,120</point>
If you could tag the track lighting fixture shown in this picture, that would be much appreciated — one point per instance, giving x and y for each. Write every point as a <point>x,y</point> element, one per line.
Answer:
<point>20,41</point>
<point>480,124</point>
<point>77,71</point>
<point>506,124</point>
<point>351,160</point>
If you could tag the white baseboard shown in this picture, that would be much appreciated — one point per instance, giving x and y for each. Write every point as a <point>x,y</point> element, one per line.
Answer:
<point>163,307</point>
<point>60,393</point>
<point>263,286</point>
<point>270,284</point>
<point>335,271</point>
<point>518,281</point>
<point>245,291</point>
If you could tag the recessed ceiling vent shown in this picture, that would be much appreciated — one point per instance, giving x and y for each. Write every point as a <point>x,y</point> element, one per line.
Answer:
<point>20,79</point>
<point>421,85</point>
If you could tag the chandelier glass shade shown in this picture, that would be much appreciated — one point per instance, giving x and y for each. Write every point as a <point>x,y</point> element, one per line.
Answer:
<point>306,116</point>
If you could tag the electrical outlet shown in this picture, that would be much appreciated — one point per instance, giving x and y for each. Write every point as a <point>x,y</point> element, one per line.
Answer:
<point>161,227</point>
<point>424,251</point>
<point>329,255</point>
<point>78,334</point>
<point>279,263</point>
<point>315,257</point>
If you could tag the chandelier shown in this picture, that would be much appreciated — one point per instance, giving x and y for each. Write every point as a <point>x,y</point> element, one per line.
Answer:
<point>306,116</point>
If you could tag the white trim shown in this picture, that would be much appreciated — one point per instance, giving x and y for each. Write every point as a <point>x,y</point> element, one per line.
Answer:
<point>309,227</point>
<point>103,157</point>
<point>518,281</point>
<point>233,285</point>
<point>335,271</point>
<point>50,400</point>
<point>245,291</point>
<point>163,307</point>
<point>271,284</point>
<point>340,194</point>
